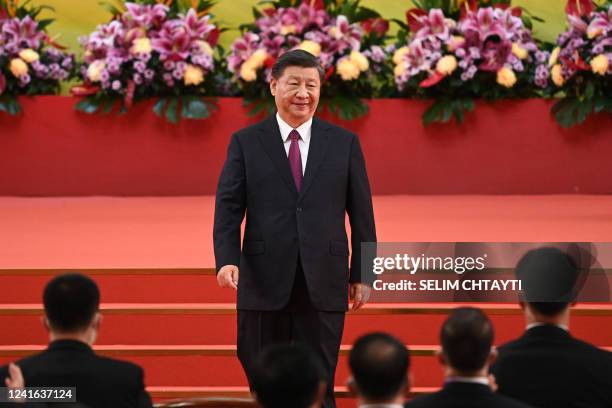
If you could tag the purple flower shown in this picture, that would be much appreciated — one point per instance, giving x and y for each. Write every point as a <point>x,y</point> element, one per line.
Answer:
<point>144,15</point>
<point>173,42</point>
<point>435,24</point>
<point>196,27</point>
<point>116,85</point>
<point>22,33</point>
<point>149,74</point>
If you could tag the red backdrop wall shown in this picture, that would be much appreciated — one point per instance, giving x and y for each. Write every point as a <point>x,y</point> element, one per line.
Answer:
<point>503,148</point>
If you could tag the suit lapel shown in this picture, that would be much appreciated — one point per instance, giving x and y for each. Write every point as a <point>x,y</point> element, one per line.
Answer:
<point>272,141</point>
<point>316,153</point>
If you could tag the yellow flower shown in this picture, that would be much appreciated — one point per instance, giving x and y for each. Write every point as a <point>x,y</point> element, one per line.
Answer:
<point>205,47</point>
<point>310,46</point>
<point>398,56</point>
<point>347,69</point>
<point>600,64</point>
<point>506,77</point>
<point>519,52</point>
<point>94,71</point>
<point>257,58</point>
<point>554,56</point>
<point>193,75</point>
<point>141,46</point>
<point>455,42</point>
<point>335,33</point>
<point>18,67</point>
<point>360,60</point>
<point>399,69</point>
<point>248,72</point>
<point>446,65</point>
<point>557,75</point>
<point>287,29</point>
<point>29,55</point>
<point>594,32</point>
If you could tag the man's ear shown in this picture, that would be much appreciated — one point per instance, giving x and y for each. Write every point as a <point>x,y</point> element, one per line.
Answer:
<point>45,322</point>
<point>441,358</point>
<point>352,387</point>
<point>492,356</point>
<point>273,84</point>
<point>409,382</point>
<point>97,320</point>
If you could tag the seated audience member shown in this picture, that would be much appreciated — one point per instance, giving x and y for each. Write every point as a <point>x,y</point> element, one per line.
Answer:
<point>467,352</point>
<point>72,318</point>
<point>546,366</point>
<point>288,375</point>
<point>379,366</point>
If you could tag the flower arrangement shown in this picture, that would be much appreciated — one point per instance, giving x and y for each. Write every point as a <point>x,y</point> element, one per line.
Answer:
<point>581,64</point>
<point>466,52</point>
<point>31,63</point>
<point>347,38</point>
<point>152,49</point>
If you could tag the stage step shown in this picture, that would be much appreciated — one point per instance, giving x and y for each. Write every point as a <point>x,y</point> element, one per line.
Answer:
<point>210,324</point>
<point>193,365</point>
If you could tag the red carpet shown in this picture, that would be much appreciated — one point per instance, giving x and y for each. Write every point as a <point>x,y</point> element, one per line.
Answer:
<point>152,258</point>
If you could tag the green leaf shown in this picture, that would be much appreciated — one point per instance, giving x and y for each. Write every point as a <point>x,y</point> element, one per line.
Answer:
<point>88,105</point>
<point>171,110</point>
<point>107,105</point>
<point>12,106</point>
<point>158,108</point>
<point>589,91</point>
<point>194,108</point>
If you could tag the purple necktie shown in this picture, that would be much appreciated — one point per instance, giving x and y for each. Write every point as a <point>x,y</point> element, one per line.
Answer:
<point>295,159</point>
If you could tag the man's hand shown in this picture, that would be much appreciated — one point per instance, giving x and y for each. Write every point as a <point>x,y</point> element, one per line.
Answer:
<point>228,277</point>
<point>15,378</point>
<point>359,294</point>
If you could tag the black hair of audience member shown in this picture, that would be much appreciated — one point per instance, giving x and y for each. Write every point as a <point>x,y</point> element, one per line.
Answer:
<point>549,277</point>
<point>71,301</point>
<point>379,365</point>
<point>467,337</point>
<point>288,375</point>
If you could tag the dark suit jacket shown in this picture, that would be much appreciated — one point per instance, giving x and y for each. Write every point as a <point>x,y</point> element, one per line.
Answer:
<point>547,367</point>
<point>100,382</point>
<point>465,395</point>
<point>282,223</point>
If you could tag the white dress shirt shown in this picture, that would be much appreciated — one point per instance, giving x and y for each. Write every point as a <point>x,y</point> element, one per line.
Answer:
<point>537,324</point>
<point>305,131</point>
<point>471,380</point>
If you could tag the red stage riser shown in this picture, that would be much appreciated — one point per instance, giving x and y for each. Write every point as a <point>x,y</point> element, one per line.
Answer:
<point>126,289</point>
<point>511,147</point>
<point>219,330</point>
<point>226,371</point>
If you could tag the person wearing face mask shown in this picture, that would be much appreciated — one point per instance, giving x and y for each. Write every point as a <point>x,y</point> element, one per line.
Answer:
<point>72,318</point>
<point>294,177</point>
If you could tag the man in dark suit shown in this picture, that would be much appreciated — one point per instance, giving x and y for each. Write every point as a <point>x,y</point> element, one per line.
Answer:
<point>295,177</point>
<point>467,352</point>
<point>289,375</point>
<point>546,366</point>
<point>379,371</point>
<point>72,317</point>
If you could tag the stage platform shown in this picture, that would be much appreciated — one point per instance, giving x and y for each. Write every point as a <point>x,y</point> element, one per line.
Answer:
<point>176,232</point>
<point>153,261</point>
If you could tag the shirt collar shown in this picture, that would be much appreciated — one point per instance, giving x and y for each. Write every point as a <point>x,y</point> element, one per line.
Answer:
<point>538,324</point>
<point>285,129</point>
<point>472,380</point>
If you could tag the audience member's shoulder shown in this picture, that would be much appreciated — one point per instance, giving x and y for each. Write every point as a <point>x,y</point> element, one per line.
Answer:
<point>124,369</point>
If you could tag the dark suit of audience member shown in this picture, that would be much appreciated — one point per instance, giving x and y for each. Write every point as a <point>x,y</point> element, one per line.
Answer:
<point>71,315</point>
<point>467,352</point>
<point>100,382</point>
<point>547,367</point>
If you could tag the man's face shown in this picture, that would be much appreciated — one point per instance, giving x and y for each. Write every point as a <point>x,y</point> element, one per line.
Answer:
<point>296,94</point>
